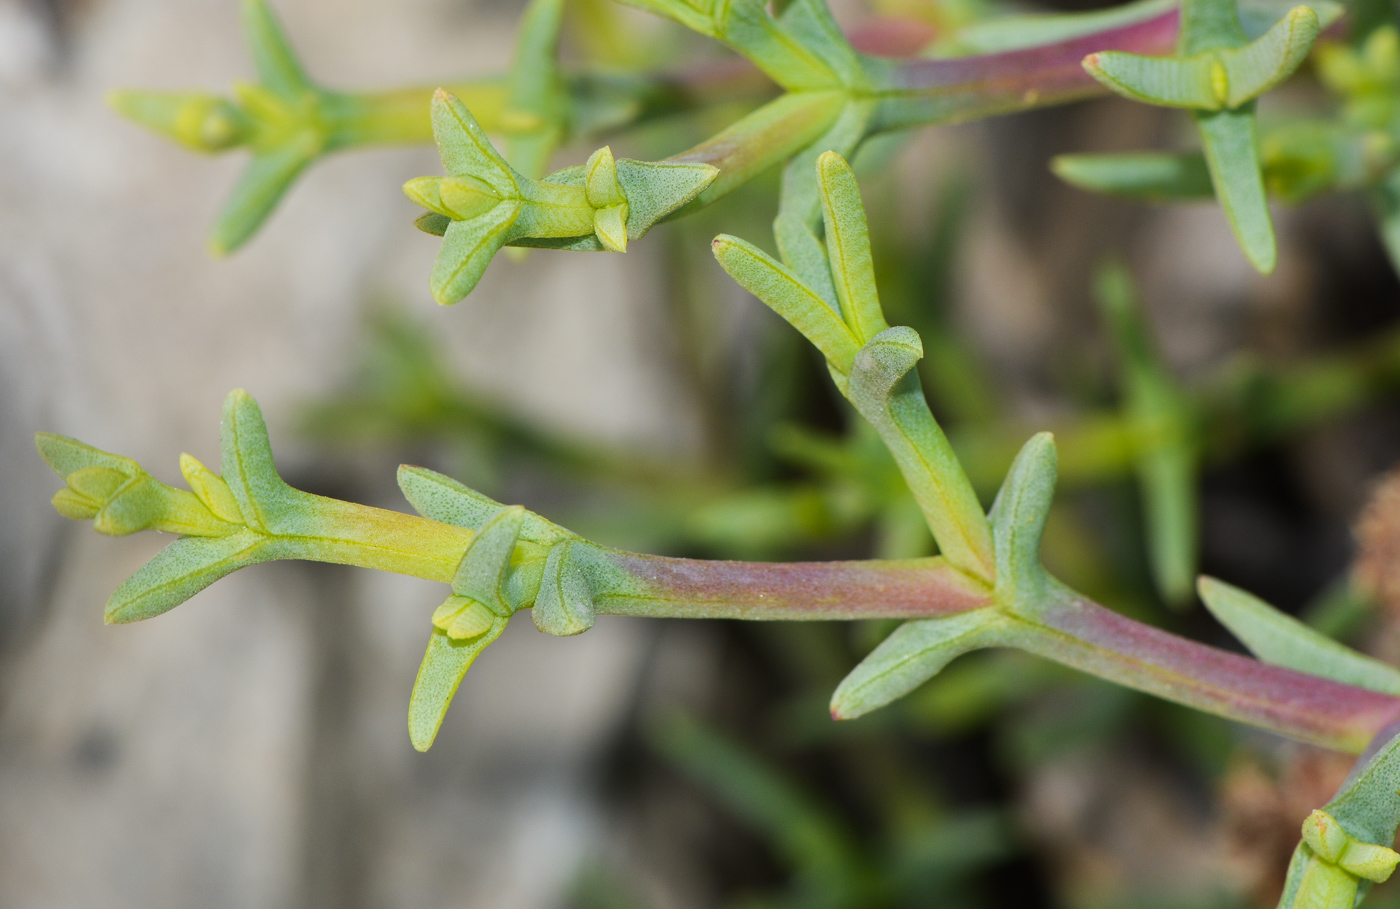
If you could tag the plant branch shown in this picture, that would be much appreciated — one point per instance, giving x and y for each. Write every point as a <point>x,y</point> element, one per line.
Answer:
<point>249,516</point>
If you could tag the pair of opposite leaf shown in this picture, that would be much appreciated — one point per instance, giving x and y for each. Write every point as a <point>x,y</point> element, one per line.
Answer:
<point>515,559</point>
<point>288,121</point>
<point>484,204</point>
<point>283,118</point>
<point>1357,149</point>
<point>499,559</point>
<point>825,288</point>
<point>1217,73</point>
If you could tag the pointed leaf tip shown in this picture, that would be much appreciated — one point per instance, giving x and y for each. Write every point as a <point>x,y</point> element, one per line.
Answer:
<point>785,293</point>
<point>263,183</point>
<point>912,655</point>
<point>444,665</point>
<point>848,247</point>
<point>178,572</point>
<point>276,63</point>
<point>1231,149</point>
<point>1277,638</point>
<point>1018,518</point>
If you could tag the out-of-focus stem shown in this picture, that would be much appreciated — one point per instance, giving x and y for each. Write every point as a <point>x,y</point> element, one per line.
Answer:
<point>958,88</point>
<point>1245,405</point>
<point>921,92</point>
<point>401,116</point>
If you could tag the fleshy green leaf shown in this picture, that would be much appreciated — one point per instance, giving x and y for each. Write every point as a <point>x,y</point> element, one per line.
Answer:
<point>784,293</point>
<point>67,456</point>
<point>442,498</point>
<point>610,228</point>
<point>465,150</point>
<point>467,249</point>
<point>276,63</point>
<point>564,604</point>
<point>1195,82</point>
<point>1149,176</point>
<point>1018,519</point>
<point>656,189</point>
<point>912,655</point>
<point>848,247</point>
<point>266,502</point>
<point>1282,640</point>
<point>181,570</point>
<point>1268,60</point>
<point>211,489</point>
<point>484,566</point>
<point>258,190</point>
<point>479,580</point>
<point>1232,155</point>
<point>444,665</point>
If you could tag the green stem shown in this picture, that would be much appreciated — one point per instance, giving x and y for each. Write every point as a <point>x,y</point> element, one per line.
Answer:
<point>761,141</point>
<point>401,116</point>
<point>345,533</point>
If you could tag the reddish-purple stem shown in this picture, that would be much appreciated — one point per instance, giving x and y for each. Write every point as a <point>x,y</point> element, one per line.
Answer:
<point>1048,69</point>
<point>801,591</point>
<point>1067,628</point>
<point>1295,704</point>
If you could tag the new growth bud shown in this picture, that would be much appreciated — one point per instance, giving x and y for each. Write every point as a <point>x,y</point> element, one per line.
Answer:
<point>120,498</point>
<point>1330,843</point>
<point>604,193</point>
<point>462,618</point>
<point>198,121</point>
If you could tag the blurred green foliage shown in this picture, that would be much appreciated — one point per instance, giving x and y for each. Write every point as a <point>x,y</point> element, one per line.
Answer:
<point>789,472</point>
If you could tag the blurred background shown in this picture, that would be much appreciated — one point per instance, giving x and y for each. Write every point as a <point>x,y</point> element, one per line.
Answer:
<point>249,749</point>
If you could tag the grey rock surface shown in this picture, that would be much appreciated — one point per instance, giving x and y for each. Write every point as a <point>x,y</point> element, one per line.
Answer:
<point>249,749</point>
